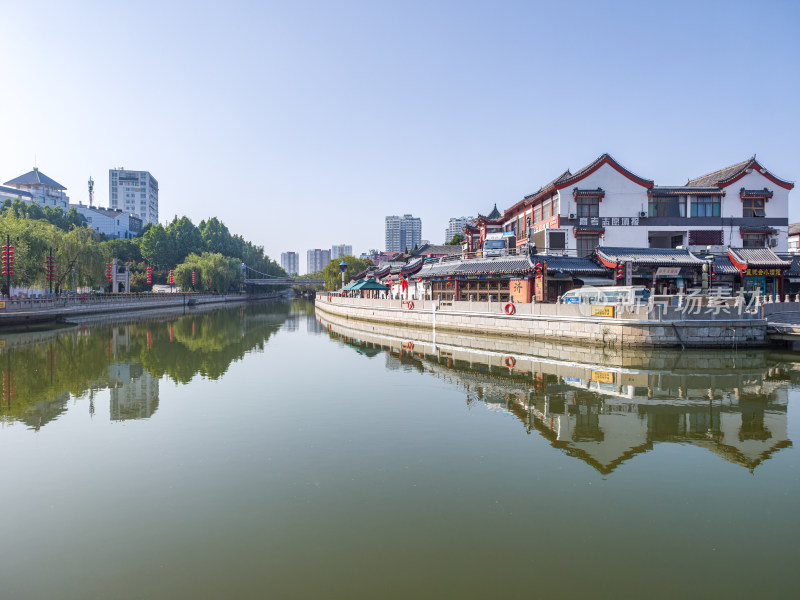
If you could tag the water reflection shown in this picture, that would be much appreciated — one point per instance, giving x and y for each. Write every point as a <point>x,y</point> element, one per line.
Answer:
<point>599,406</point>
<point>43,371</point>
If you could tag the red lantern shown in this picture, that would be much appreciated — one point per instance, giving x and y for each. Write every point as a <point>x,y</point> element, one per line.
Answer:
<point>620,271</point>
<point>194,278</point>
<point>171,278</point>
<point>110,271</point>
<point>149,274</point>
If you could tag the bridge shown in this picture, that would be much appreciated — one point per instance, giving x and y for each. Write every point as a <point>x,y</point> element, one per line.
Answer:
<point>253,277</point>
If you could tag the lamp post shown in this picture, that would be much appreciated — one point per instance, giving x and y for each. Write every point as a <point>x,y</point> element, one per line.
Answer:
<point>342,268</point>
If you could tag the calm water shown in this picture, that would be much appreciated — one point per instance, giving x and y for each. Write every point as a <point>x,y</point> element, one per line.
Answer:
<point>268,452</point>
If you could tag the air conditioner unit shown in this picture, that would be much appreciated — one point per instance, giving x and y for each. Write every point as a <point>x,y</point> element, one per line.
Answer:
<point>642,214</point>
<point>773,242</point>
<point>572,216</point>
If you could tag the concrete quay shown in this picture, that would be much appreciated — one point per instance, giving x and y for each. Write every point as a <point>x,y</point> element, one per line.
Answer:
<point>636,326</point>
<point>32,311</point>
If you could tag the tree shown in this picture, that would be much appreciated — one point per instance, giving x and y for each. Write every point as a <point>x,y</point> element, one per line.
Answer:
<point>156,246</point>
<point>456,241</point>
<point>212,272</point>
<point>123,250</point>
<point>333,275</point>
<point>185,237</point>
<point>81,260</point>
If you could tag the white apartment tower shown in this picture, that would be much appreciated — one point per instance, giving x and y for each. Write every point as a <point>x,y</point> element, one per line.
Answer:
<point>340,250</point>
<point>317,259</point>
<point>290,262</point>
<point>455,226</point>
<point>134,192</point>
<point>403,233</point>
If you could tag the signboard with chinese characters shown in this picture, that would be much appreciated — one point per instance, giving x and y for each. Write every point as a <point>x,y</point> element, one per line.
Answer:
<point>518,290</point>
<point>603,376</point>
<point>538,288</point>
<point>609,221</point>
<point>763,273</point>
<point>2,304</point>
<point>668,272</point>
<point>602,311</point>
<point>553,221</point>
<point>628,273</point>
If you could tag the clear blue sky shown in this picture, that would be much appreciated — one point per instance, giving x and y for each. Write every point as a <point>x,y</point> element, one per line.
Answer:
<point>302,124</point>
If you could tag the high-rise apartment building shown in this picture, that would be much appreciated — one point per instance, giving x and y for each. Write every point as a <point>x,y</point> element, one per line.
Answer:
<point>290,262</point>
<point>317,259</point>
<point>134,192</point>
<point>403,233</point>
<point>455,226</point>
<point>340,250</point>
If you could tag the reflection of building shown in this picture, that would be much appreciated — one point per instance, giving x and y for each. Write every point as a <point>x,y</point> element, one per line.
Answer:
<point>134,392</point>
<point>734,405</point>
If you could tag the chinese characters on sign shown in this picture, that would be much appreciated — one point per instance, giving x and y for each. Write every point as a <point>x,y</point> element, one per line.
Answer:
<point>518,290</point>
<point>609,221</point>
<point>762,273</point>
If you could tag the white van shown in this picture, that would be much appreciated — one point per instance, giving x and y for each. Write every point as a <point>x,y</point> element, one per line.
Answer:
<point>606,295</point>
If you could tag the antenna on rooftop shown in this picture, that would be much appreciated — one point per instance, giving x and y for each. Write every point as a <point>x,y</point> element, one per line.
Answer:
<point>91,190</point>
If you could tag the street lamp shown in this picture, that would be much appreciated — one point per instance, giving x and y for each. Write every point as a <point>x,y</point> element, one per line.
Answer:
<point>342,267</point>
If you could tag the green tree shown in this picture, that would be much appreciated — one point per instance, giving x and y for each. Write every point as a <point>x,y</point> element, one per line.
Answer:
<point>126,251</point>
<point>333,275</point>
<point>157,247</point>
<point>213,271</point>
<point>186,239</point>
<point>456,241</point>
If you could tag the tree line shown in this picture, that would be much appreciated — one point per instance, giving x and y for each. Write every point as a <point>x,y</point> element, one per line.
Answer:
<point>81,253</point>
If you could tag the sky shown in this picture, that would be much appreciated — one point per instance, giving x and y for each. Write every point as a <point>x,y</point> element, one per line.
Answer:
<point>302,124</point>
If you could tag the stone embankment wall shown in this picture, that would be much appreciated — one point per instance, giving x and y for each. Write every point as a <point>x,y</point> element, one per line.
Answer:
<point>20,312</point>
<point>643,326</point>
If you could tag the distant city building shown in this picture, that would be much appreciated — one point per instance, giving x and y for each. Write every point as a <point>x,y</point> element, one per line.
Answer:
<point>794,238</point>
<point>135,192</point>
<point>317,259</point>
<point>113,223</point>
<point>290,262</point>
<point>340,250</point>
<point>403,233</point>
<point>37,187</point>
<point>455,227</point>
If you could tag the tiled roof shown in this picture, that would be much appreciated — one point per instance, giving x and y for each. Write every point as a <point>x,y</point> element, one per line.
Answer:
<point>413,266</point>
<point>721,175</point>
<point>757,229</point>
<point>35,177</point>
<point>649,256</point>
<point>685,191</point>
<point>571,264</point>
<point>794,270</point>
<point>565,175</point>
<point>512,265</point>
<point>578,193</point>
<point>794,228</point>
<point>495,214</point>
<point>503,265</point>
<point>723,265</point>
<point>593,165</point>
<point>16,192</point>
<point>757,257</point>
<point>765,193</point>
<point>437,249</point>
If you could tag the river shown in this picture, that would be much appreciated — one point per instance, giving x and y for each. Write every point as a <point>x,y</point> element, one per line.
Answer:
<point>266,452</point>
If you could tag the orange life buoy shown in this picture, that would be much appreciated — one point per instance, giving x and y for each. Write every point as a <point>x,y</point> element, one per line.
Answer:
<point>509,362</point>
<point>509,308</point>
<point>410,304</point>
<point>329,298</point>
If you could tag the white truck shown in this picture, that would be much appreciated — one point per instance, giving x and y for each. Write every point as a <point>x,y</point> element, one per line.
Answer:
<point>499,244</point>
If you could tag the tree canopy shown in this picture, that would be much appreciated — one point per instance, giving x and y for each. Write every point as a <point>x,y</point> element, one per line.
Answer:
<point>333,275</point>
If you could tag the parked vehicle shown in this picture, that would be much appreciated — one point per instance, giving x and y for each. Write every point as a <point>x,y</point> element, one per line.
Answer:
<point>606,295</point>
<point>498,244</point>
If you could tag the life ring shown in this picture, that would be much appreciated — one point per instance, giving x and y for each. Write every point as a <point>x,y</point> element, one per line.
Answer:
<point>509,362</point>
<point>409,346</point>
<point>329,298</point>
<point>410,304</point>
<point>509,308</point>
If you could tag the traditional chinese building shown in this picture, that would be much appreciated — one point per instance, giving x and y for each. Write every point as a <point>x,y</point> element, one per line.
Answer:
<point>605,204</point>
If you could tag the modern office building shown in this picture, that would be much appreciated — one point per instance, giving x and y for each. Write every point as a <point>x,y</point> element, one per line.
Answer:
<point>317,259</point>
<point>290,262</point>
<point>37,187</point>
<point>403,233</point>
<point>455,227</point>
<point>135,192</point>
<point>340,250</point>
